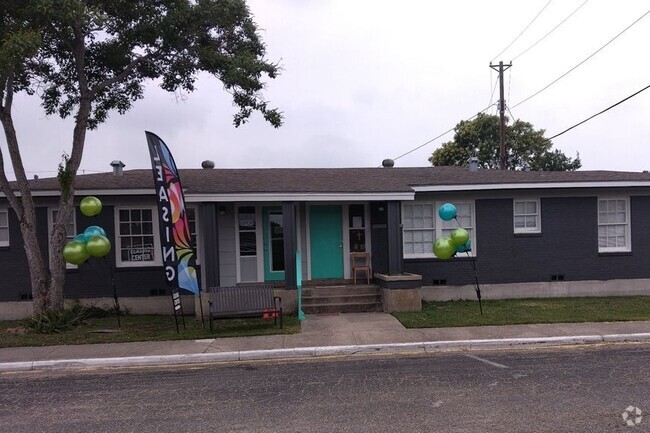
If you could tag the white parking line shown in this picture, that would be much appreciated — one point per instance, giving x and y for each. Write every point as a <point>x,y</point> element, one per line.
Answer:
<point>494,364</point>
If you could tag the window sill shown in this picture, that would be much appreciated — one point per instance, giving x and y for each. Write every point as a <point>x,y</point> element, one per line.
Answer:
<point>528,235</point>
<point>434,258</point>
<point>120,266</point>
<point>614,253</point>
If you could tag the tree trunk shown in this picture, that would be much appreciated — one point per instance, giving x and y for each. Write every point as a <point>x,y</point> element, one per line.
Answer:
<point>26,214</point>
<point>47,282</point>
<point>47,279</point>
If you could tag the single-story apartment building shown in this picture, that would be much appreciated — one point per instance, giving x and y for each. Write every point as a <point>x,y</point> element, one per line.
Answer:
<point>533,233</point>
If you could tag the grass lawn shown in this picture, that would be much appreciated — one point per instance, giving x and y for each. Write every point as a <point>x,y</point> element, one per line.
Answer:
<point>144,328</point>
<point>522,311</point>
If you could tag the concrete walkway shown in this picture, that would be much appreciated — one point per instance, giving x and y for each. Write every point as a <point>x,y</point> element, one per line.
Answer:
<point>322,335</point>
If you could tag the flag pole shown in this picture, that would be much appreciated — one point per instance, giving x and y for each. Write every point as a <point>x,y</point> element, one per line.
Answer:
<point>201,307</point>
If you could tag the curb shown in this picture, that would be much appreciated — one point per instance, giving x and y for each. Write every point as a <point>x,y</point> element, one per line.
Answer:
<point>317,352</point>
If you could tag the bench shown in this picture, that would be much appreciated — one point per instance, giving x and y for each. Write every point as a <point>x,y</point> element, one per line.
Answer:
<point>244,301</point>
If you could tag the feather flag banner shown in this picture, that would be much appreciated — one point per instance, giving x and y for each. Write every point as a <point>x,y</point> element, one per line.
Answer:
<point>179,258</point>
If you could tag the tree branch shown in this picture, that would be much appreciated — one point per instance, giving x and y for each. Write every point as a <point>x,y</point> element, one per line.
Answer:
<point>10,135</point>
<point>125,72</point>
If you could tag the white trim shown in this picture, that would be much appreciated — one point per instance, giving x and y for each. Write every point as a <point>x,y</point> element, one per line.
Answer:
<point>538,227</point>
<point>628,225</point>
<point>306,196</point>
<point>345,234</point>
<point>307,254</point>
<point>530,185</point>
<point>156,238</point>
<point>82,192</point>
<point>431,229</point>
<point>7,242</point>
<point>438,226</point>
<point>259,247</point>
<point>197,242</point>
<point>259,242</point>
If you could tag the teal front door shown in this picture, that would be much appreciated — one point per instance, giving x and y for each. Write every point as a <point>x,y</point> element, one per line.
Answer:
<point>273,244</point>
<point>326,241</point>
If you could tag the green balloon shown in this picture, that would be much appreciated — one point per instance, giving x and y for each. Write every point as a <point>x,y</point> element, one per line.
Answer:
<point>444,248</point>
<point>98,246</point>
<point>75,252</point>
<point>459,237</point>
<point>90,206</point>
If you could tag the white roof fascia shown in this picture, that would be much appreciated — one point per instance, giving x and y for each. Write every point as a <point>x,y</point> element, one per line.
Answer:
<point>195,198</point>
<point>274,197</point>
<point>79,192</point>
<point>532,185</point>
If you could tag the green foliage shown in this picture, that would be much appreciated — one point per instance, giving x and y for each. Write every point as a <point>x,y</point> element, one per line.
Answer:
<point>525,147</point>
<point>56,321</point>
<point>526,311</point>
<point>65,176</point>
<point>144,328</point>
<point>103,52</point>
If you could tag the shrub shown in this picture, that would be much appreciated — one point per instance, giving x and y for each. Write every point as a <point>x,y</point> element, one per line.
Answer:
<point>59,320</point>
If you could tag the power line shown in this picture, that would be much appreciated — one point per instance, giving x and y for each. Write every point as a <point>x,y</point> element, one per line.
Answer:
<point>551,138</point>
<point>494,89</point>
<point>523,31</point>
<point>601,112</point>
<point>582,62</point>
<point>541,90</point>
<point>441,135</point>
<point>551,31</point>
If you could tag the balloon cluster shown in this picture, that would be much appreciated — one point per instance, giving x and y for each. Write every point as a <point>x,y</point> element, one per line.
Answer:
<point>446,247</point>
<point>93,241</point>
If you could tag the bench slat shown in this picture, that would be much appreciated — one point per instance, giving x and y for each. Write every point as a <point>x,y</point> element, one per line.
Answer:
<point>243,301</point>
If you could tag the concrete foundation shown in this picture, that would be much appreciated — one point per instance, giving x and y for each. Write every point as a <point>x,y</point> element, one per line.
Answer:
<point>539,290</point>
<point>402,300</point>
<point>289,300</point>
<point>134,305</point>
<point>15,310</point>
<point>400,292</point>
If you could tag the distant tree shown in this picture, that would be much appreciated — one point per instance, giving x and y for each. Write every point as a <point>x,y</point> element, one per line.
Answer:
<point>525,147</point>
<point>87,58</point>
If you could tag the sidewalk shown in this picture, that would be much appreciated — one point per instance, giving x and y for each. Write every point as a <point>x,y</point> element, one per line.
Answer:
<point>322,335</point>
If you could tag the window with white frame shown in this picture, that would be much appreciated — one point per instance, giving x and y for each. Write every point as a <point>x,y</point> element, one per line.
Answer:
<point>70,229</point>
<point>4,227</point>
<point>192,220</point>
<point>526,216</point>
<point>421,226</point>
<point>246,223</point>
<point>138,243</point>
<point>464,218</point>
<point>613,225</point>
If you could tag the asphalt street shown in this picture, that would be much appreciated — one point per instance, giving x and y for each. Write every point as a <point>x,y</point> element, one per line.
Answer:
<point>569,389</point>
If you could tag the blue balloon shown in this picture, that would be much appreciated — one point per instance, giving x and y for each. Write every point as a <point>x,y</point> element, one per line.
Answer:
<point>464,248</point>
<point>94,231</point>
<point>447,211</point>
<point>81,238</point>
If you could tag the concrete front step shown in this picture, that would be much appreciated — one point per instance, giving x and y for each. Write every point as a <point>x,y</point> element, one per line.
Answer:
<point>342,299</point>
<point>370,298</point>
<point>343,308</point>
<point>340,290</point>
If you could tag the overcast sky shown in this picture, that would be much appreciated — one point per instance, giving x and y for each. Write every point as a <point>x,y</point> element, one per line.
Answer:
<point>368,80</point>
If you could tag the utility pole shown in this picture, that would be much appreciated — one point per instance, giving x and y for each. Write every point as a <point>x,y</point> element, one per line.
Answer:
<point>502,109</point>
